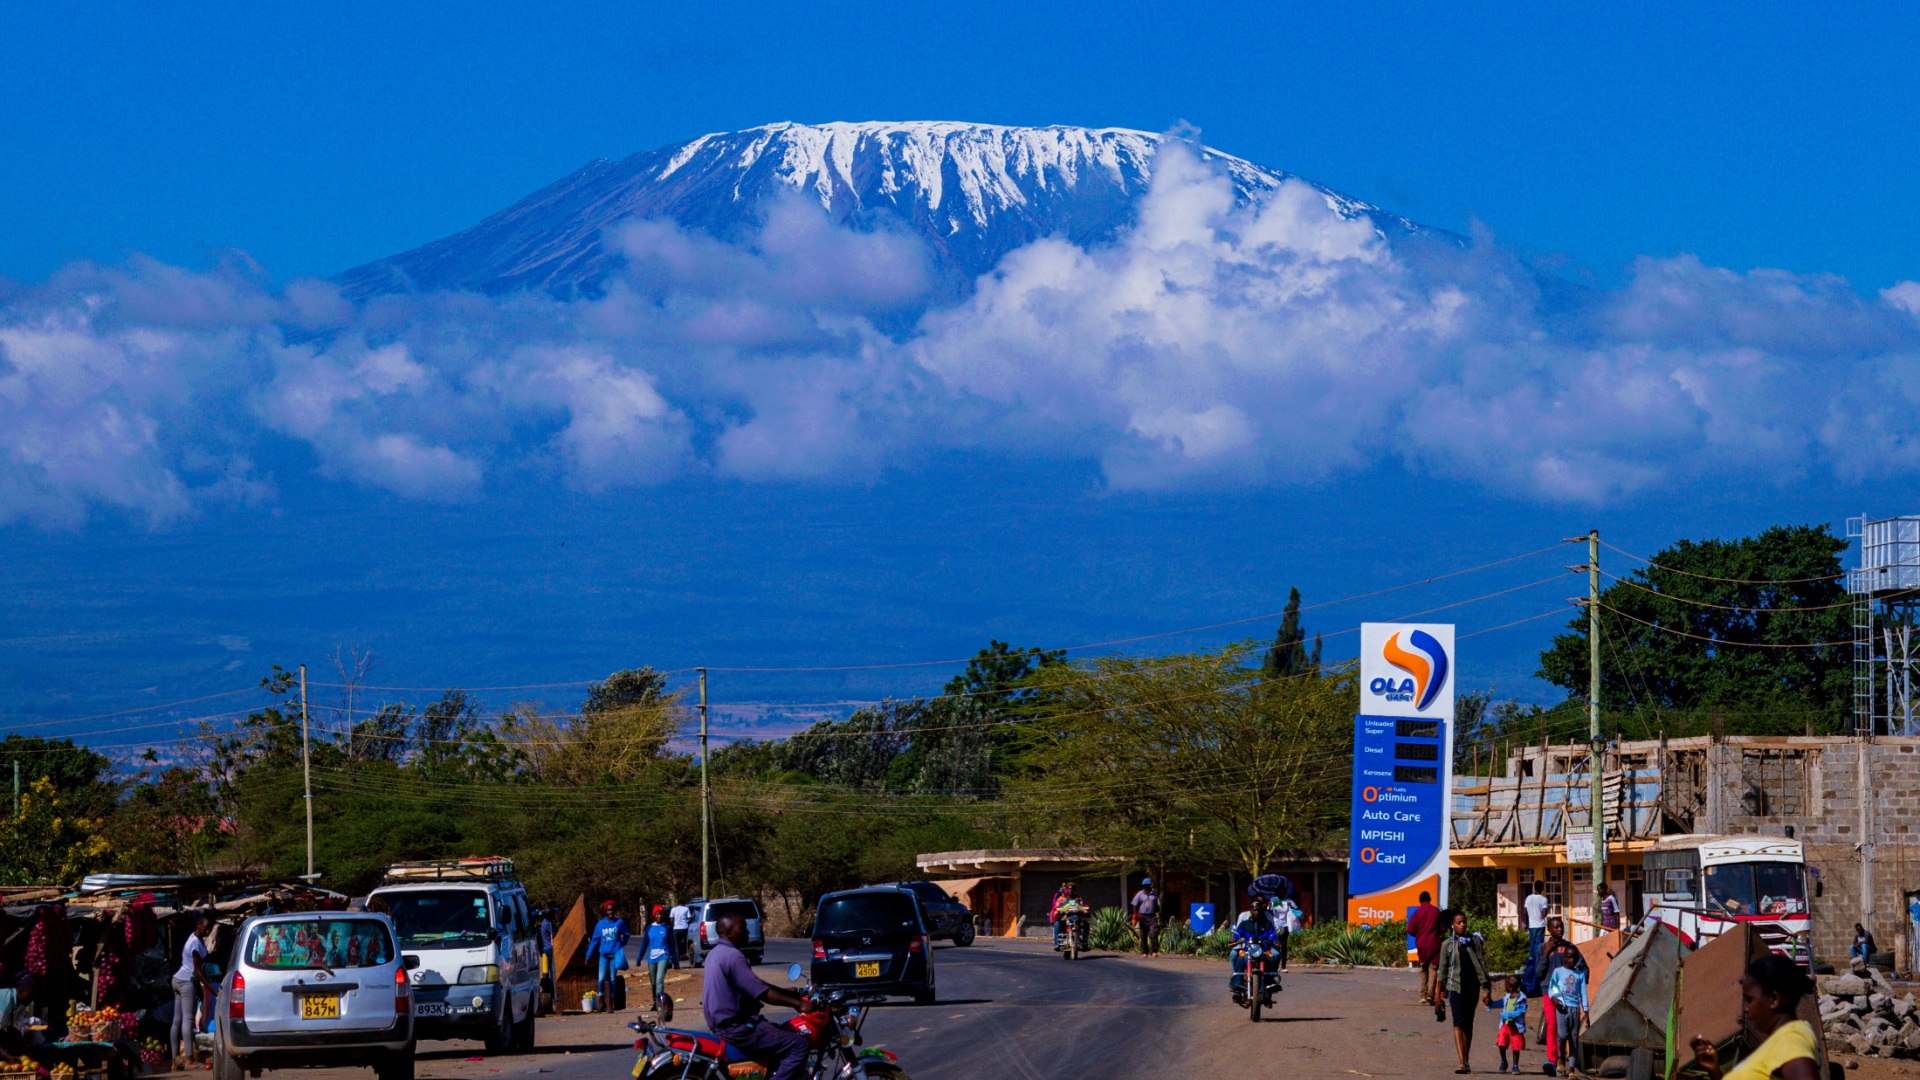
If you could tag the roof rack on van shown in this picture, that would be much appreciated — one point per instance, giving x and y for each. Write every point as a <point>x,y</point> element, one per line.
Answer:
<point>479,867</point>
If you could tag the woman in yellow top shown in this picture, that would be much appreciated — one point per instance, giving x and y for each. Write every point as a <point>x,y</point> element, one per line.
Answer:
<point>1771,991</point>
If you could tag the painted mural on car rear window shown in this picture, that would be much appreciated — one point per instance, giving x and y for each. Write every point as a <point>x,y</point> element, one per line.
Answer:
<point>320,943</point>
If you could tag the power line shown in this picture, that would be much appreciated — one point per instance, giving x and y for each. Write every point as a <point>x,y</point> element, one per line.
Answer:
<point>1731,581</point>
<point>1729,642</point>
<point>836,668</point>
<point>1175,633</point>
<point>1847,603</point>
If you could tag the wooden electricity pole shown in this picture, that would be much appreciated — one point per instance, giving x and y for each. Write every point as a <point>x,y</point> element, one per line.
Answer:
<point>306,769</point>
<point>1595,743</point>
<point>706,791</point>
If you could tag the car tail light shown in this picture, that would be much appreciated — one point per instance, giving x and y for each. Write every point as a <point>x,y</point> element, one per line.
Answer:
<point>819,950</point>
<point>916,943</point>
<point>703,934</point>
<point>400,1002</point>
<point>237,999</point>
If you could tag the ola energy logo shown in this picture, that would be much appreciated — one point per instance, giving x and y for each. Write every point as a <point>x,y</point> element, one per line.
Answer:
<point>1424,660</point>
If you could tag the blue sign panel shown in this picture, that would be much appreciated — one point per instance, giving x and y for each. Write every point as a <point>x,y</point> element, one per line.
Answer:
<point>1200,918</point>
<point>1399,803</point>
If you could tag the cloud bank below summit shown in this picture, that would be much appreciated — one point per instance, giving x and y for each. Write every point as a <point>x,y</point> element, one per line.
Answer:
<point>1210,344</point>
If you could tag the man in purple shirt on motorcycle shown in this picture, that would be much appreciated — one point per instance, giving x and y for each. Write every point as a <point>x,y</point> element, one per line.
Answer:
<point>731,1001</point>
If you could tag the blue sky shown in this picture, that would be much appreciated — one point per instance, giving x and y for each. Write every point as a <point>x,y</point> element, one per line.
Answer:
<point>316,138</point>
<point>213,523</point>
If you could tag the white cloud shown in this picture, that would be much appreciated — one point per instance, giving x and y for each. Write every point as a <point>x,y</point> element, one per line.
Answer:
<point>1210,344</point>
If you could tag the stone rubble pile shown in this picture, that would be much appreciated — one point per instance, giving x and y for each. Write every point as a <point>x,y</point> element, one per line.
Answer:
<point>1862,1016</point>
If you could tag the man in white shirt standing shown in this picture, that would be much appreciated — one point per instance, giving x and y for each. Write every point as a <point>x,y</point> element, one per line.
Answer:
<point>1536,908</point>
<point>187,980</point>
<point>679,917</point>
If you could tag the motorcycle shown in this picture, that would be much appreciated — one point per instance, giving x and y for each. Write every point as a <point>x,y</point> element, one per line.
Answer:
<point>1256,975</point>
<point>831,1022</point>
<point>1073,934</point>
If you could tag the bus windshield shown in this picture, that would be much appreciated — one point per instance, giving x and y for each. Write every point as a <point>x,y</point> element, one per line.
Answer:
<point>1765,888</point>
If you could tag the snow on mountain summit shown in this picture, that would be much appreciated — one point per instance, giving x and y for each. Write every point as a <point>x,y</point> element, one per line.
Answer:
<point>973,192</point>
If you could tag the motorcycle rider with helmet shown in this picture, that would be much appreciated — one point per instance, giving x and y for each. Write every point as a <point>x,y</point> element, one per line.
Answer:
<point>1256,926</point>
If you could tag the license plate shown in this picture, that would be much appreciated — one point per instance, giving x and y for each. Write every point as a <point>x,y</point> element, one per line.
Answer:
<point>430,1008</point>
<point>320,1006</point>
<point>869,969</point>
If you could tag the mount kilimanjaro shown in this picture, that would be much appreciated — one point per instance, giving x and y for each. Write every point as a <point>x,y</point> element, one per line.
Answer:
<point>972,192</point>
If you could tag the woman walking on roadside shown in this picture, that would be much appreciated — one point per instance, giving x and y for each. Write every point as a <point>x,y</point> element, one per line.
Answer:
<point>607,951</point>
<point>659,950</point>
<point>1462,976</point>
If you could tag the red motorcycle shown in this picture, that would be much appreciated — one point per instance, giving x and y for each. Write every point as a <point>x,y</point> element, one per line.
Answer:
<point>831,1022</point>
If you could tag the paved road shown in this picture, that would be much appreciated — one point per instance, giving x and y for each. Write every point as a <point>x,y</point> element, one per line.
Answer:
<point>1016,1011</point>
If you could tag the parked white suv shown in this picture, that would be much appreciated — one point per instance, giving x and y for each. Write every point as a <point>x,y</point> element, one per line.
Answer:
<point>478,975</point>
<point>705,933</point>
<point>322,988</point>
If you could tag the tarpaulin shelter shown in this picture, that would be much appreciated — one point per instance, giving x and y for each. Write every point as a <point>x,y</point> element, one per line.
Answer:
<point>1629,1006</point>
<point>117,938</point>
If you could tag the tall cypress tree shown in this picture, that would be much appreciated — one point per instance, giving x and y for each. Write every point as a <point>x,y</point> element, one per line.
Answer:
<point>1289,655</point>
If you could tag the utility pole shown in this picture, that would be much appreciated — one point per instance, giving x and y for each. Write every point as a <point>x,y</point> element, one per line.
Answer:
<point>706,792</point>
<point>1597,745</point>
<point>16,788</point>
<point>306,768</point>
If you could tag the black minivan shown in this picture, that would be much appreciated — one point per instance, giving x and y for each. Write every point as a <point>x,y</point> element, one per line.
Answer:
<point>944,916</point>
<point>871,941</point>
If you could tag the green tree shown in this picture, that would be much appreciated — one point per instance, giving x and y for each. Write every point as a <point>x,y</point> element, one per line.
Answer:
<point>82,778</point>
<point>620,733</point>
<point>999,673</point>
<point>858,752</point>
<point>1759,626</point>
<point>625,689</point>
<point>168,823</point>
<point>1150,753</point>
<point>452,742</point>
<point>47,843</point>
<point>1289,655</point>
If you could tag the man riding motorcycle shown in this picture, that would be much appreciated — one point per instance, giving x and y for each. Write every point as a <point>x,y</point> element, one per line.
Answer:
<point>1065,893</point>
<point>732,1000</point>
<point>1258,927</point>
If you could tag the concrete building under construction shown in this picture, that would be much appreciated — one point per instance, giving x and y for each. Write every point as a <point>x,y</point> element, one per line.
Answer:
<point>1851,802</point>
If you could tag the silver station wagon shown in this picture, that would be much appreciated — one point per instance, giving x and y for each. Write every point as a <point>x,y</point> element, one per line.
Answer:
<point>322,988</point>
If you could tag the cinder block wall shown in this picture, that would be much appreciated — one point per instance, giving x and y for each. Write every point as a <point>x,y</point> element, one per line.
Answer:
<point>1829,823</point>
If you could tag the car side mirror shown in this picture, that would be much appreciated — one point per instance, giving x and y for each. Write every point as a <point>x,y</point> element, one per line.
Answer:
<point>410,961</point>
<point>793,972</point>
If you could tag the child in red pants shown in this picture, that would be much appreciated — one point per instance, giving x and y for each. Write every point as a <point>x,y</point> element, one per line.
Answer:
<point>1513,1025</point>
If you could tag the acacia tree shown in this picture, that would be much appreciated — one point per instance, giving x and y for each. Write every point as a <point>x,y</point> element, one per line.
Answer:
<point>619,734</point>
<point>1193,752</point>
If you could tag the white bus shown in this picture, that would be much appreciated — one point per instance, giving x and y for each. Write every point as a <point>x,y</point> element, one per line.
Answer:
<point>1702,885</point>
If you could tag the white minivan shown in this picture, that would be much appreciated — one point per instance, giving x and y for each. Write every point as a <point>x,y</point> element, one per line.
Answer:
<point>467,921</point>
<point>319,988</point>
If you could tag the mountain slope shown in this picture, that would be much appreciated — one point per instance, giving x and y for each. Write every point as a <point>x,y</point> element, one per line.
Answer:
<point>973,191</point>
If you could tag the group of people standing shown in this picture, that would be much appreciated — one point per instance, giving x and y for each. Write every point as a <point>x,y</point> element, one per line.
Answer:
<point>1455,980</point>
<point>1145,911</point>
<point>666,942</point>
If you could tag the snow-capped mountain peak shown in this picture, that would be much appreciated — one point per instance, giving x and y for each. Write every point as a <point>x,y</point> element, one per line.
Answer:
<point>972,191</point>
